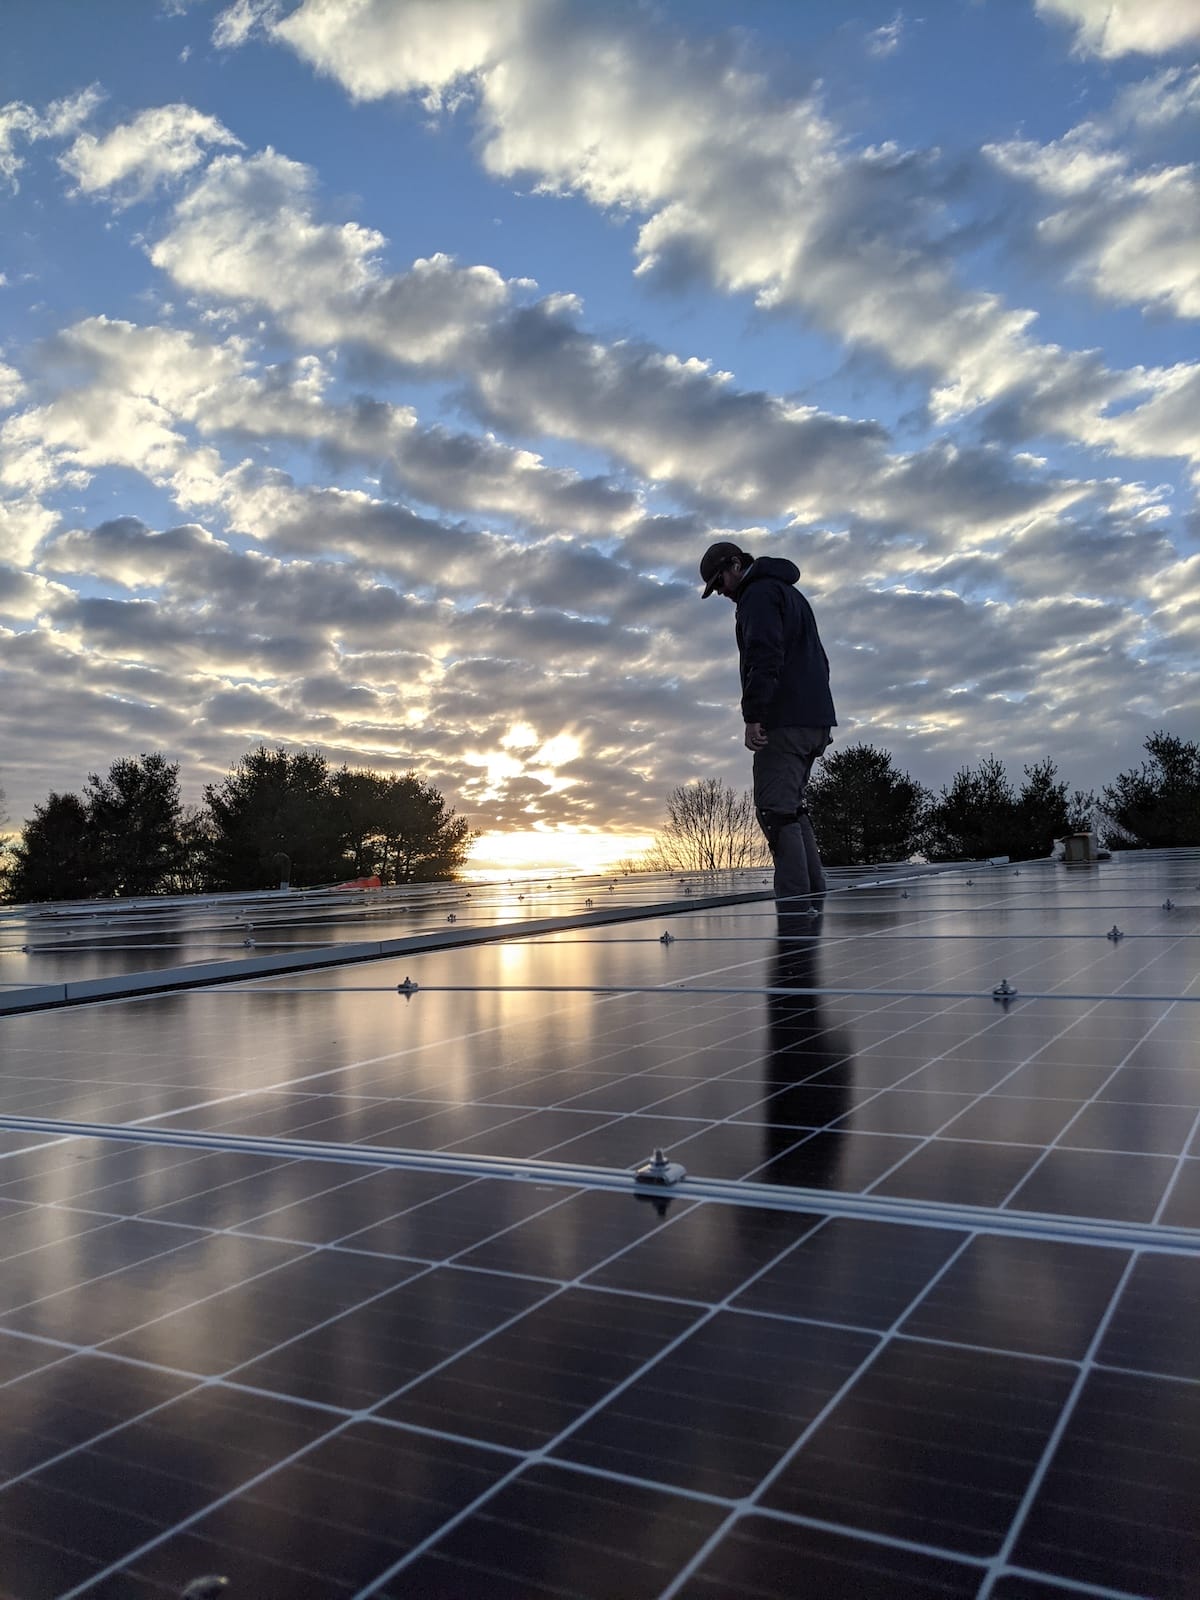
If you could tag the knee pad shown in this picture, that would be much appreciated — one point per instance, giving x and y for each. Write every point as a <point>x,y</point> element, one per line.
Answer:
<point>773,823</point>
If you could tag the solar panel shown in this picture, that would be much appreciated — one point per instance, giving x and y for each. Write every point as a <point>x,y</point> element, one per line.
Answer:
<point>331,1289</point>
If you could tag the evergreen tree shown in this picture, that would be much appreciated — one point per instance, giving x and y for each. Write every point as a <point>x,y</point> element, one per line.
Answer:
<point>1045,812</point>
<point>360,799</point>
<point>420,838</point>
<point>134,816</point>
<point>1157,805</point>
<point>54,859</point>
<point>274,802</point>
<point>975,817</point>
<point>195,848</point>
<point>864,809</point>
<point>982,815</point>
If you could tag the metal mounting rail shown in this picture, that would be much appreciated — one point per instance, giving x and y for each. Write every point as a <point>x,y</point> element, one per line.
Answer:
<point>777,1197</point>
<point>795,991</point>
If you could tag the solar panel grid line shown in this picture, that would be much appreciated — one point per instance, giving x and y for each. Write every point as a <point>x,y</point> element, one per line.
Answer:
<point>204,1511</point>
<point>686,1573</point>
<point>991,1092</point>
<point>40,1300</point>
<point>768,1264</point>
<point>304,1251</point>
<point>207,1509</point>
<point>232,1380</point>
<point>1192,1142</point>
<point>1003,1556</point>
<point>10,1482</point>
<point>168,1249</point>
<point>131,1557</point>
<point>1054,1584</point>
<point>920,1069</point>
<point>545,1453</point>
<point>65,1351</point>
<point>290,1083</point>
<point>1093,1099</point>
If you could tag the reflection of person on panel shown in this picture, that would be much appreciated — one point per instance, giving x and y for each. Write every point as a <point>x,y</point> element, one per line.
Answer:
<point>802,1044</point>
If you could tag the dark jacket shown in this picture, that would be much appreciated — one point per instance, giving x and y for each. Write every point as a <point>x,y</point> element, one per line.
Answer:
<point>785,671</point>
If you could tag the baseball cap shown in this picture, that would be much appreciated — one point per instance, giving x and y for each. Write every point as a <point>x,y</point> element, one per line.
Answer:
<point>714,561</point>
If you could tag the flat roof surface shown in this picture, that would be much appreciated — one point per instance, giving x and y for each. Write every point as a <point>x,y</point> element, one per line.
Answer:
<point>339,1283</point>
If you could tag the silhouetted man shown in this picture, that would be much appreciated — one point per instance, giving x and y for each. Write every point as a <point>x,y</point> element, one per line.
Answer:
<point>786,705</point>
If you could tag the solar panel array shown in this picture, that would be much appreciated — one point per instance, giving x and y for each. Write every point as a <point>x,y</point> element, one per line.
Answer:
<point>339,1283</point>
<point>87,939</point>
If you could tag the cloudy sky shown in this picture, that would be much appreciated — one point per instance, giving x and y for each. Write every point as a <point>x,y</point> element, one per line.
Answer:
<point>374,372</point>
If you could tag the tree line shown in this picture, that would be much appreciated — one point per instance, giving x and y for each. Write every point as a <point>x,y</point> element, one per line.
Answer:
<point>278,816</point>
<point>866,811</point>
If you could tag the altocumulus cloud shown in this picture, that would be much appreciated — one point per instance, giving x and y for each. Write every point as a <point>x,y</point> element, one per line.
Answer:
<point>317,474</point>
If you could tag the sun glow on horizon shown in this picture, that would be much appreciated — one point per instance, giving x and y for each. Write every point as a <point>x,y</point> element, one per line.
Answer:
<point>536,850</point>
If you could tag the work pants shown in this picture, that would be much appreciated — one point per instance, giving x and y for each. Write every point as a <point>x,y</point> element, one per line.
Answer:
<point>781,774</point>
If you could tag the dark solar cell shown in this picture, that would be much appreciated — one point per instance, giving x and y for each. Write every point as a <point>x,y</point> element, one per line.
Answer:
<point>330,1521</point>
<point>526,1384</point>
<point>1005,1119</point>
<point>1156,1324</point>
<point>764,1558</point>
<point>388,1217</point>
<point>1092,1183</point>
<point>572,1235</point>
<point>1015,1587</point>
<point>554,1532</point>
<point>71,1399</point>
<point>960,1173</point>
<point>829,1160</point>
<point>1182,1207</point>
<point>1118,1504</point>
<point>718,1412</point>
<point>851,1271</point>
<point>1034,1296</point>
<point>1109,1125</point>
<point>357,1359</point>
<point>706,1253</point>
<point>932,1445</point>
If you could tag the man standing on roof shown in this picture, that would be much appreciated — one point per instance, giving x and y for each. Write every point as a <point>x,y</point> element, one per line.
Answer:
<point>786,705</point>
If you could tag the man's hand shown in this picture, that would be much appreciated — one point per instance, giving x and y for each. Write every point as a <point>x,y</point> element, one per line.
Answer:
<point>756,736</point>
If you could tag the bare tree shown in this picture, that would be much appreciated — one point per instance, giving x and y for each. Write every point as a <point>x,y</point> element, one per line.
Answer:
<point>708,828</point>
<point>4,843</point>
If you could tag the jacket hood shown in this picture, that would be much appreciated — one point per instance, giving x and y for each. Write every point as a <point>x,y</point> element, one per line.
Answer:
<point>773,567</point>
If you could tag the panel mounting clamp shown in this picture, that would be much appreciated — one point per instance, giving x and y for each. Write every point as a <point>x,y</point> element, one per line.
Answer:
<point>658,1170</point>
